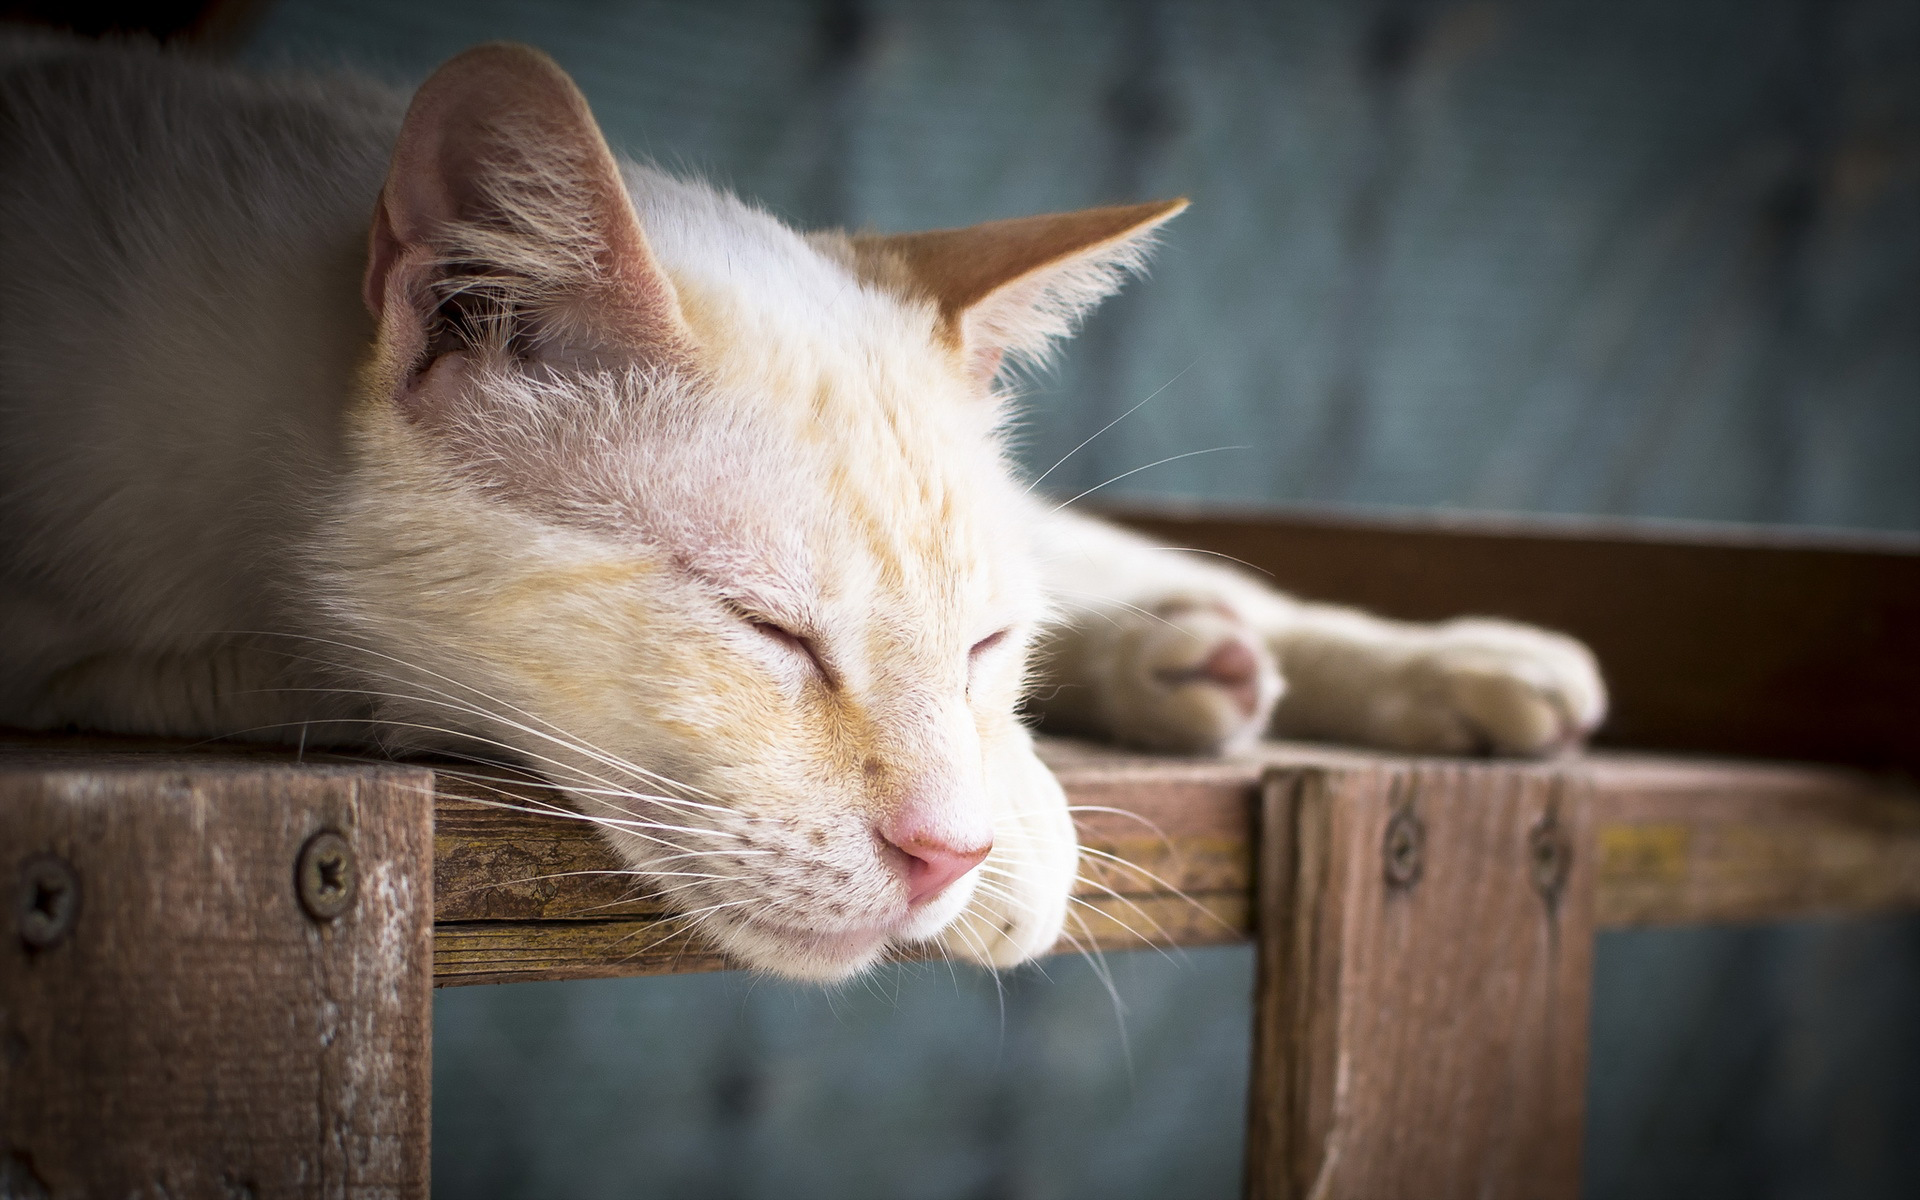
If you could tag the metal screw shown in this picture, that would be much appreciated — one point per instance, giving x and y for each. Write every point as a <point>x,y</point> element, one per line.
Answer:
<point>1549,857</point>
<point>324,875</point>
<point>47,900</point>
<point>1405,840</point>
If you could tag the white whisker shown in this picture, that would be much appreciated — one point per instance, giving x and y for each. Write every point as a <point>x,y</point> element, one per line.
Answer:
<point>1149,466</point>
<point>1110,424</point>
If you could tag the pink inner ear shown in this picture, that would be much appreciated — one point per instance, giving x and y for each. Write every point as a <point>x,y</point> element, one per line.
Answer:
<point>983,361</point>
<point>500,141</point>
<point>383,255</point>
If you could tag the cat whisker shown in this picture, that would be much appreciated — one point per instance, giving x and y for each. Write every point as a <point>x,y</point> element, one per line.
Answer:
<point>1103,971</point>
<point>1110,424</point>
<point>1146,942</point>
<point>628,874</point>
<point>691,918</point>
<point>631,828</point>
<point>962,928</point>
<point>1218,554</point>
<point>557,735</point>
<point>641,887</point>
<point>612,791</point>
<point>1148,613</point>
<point>463,735</point>
<point>1124,812</point>
<point>491,782</point>
<point>1163,884</point>
<point>1166,938</point>
<point>1149,466</point>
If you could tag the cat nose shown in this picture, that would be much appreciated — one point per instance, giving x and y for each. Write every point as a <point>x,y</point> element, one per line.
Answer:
<point>932,862</point>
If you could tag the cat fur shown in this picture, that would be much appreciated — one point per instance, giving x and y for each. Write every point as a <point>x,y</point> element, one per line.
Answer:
<point>331,417</point>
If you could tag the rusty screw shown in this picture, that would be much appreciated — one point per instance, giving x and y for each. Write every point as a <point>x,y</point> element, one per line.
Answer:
<point>1406,839</point>
<point>324,875</point>
<point>1549,856</point>
<point>46,900</point>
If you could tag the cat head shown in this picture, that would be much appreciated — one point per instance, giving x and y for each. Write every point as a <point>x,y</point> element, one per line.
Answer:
<point>711,523</point>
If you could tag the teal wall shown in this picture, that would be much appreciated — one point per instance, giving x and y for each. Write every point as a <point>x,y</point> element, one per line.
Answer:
<point>1654,258</point>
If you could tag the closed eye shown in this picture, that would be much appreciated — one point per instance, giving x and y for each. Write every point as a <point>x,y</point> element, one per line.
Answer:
<point>980,648</point>
<point>791,642</point>
<point>987,643</point>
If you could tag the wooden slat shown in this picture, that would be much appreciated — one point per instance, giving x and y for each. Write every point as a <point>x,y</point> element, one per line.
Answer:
<point>524,894</point>
<point>1694,843</point>
<point>1426,954</point>
<point>529,896</point>
<point>193,1030</point>
<point>516,951</point>
<point>1713,640</point>
<point>1677,840</point>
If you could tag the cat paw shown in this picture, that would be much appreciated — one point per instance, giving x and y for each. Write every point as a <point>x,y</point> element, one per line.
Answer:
<point>1019,903</point>
<point>1187,676</point>
<point>1489,687</point>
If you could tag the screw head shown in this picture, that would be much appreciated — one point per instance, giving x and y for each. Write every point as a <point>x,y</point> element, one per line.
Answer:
<point>1401,850</point>
<point>46,900</point>
<point>1549,857</point>
<point>324,875</point>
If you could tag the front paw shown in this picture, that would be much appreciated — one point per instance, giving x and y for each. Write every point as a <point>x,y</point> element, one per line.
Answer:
<point>1186,676</point>
<point>1481,686</point>
<point>1020,898</point>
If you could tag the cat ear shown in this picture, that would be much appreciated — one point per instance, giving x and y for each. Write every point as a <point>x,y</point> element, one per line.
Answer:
<point>504,215</point>
<point>1012,288</point>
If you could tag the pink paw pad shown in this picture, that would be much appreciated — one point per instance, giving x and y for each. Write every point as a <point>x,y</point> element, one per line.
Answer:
<point>1233,666</point>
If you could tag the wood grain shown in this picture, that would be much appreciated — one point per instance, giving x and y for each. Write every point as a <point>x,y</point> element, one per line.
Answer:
<point>1713,640</point>
<point>1678,840</point>
<point>525,895</point>
<point>194,1032</point>
<point>1421,1032</point>
<point>1692,843</point>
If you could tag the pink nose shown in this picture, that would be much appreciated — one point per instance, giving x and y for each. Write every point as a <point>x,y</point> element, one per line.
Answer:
<point>933,864</point>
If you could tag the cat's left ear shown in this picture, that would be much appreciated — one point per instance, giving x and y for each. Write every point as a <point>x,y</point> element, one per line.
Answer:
<point>1010,289</point>
<point>504,215</point>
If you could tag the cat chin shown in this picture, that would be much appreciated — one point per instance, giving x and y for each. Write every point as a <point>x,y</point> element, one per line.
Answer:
<point>806,955</point>
<point>828,956</point>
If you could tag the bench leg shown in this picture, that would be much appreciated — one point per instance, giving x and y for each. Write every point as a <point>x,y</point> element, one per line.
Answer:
<point>216,980</point>
<point>1426,950</point>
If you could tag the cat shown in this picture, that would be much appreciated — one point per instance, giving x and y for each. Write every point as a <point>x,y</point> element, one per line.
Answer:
<point>334,417</point>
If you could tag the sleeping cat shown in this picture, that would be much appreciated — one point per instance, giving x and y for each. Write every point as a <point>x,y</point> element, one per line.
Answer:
<point>329,418</point>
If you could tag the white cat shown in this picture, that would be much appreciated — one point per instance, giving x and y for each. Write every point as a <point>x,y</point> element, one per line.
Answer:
<point>707,520</point>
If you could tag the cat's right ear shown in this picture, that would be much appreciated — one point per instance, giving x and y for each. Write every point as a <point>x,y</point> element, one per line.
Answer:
<point>1011,289</point>
<point>504,216</point>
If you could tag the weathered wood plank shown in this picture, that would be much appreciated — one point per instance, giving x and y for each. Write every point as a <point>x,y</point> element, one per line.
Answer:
<point>518,951</point>
<point>1684,843</point>
<point>176,1018</point>
<point>507,851</point>
<point>1678,840</point>
<point>1421,1006</point>
<point>522,893</point>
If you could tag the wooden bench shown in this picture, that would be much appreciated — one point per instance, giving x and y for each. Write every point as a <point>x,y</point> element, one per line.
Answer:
<point>218,976</point>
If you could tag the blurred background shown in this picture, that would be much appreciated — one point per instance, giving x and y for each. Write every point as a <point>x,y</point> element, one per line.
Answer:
<point>1644,258</point>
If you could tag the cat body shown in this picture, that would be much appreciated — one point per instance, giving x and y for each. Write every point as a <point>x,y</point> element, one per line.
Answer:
<point>328,416</point>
